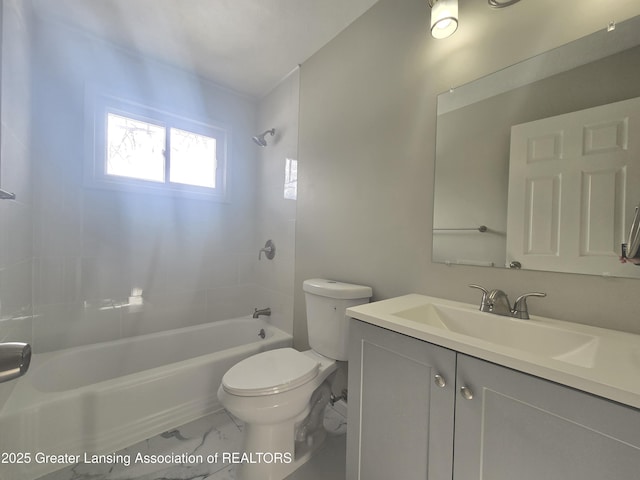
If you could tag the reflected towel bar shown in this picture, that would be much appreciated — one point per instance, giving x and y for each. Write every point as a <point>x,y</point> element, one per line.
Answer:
<point>481,228</point>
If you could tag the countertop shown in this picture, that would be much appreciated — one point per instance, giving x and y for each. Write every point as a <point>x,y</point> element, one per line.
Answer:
<point>614,373</point>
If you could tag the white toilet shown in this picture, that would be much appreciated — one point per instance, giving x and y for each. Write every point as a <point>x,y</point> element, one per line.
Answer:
<point>281,394</point>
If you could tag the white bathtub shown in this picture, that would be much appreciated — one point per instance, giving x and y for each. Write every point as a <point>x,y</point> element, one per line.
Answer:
<point>103,397</point>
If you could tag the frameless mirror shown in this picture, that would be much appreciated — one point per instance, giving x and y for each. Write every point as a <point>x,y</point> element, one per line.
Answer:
<point>538,165</point>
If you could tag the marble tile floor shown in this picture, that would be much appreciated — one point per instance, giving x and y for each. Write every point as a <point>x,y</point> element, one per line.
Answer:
<point>192,447</point>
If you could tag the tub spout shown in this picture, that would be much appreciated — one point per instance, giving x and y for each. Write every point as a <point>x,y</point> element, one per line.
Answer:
<point>263,311</point>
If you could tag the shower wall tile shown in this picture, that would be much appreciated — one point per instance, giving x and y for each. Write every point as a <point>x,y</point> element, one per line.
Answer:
<point>281,305</point>
<point>57,216</point>
<point>246,266</point>
<point>275,276</point>
<point>67,325</point>
<point>223,270</point>
<point>56,280</point>
<point>15,169</point>
<point>179,259</point>
<point>276,215</point>
<point>15,236</point>
<point>15,302</point>
<point>187,261</point>
<point>232,302</point>
<point>180,308</point>
<point>184,272</point>
<point>16,67</point>
<point>156,318</point>
<point>105,278</point>
<point>15,291</point>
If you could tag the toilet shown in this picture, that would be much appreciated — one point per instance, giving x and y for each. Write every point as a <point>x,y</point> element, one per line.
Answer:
<point>281,394</point>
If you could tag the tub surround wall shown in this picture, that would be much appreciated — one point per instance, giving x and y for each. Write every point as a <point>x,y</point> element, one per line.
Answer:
<point>15,170</point>
<point>192,259</point>
<point>367,146</point>
<point>276,215</point>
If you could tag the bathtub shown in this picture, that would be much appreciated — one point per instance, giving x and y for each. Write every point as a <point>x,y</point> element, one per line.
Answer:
<point>103,397</point>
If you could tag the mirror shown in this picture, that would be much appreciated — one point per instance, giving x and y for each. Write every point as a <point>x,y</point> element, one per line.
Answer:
<point>537,164</point>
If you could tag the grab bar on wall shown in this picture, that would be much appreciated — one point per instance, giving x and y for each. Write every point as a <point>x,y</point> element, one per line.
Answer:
<point>4,195</point>
<point>476,263</point>
<point>481,229</point>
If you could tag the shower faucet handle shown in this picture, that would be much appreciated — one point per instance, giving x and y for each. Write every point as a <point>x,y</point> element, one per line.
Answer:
<point>269,250</point>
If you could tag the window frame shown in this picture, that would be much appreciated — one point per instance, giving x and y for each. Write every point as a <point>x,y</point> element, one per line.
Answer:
<point>99,105</point>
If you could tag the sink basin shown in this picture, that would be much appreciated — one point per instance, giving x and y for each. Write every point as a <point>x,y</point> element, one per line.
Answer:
<point>600,361</point>
<point>531,336</point>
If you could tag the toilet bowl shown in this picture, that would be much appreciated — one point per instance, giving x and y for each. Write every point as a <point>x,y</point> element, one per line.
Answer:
<point>281,394</point>
<point>275,407</point>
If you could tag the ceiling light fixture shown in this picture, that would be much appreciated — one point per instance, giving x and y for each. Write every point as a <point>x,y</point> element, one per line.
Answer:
<point>444,18</point>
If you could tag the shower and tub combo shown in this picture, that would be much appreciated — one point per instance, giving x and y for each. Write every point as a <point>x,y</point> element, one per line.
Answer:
<point>97,399</point>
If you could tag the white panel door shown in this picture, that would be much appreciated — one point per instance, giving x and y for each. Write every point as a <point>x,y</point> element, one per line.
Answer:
<point>574,181</point>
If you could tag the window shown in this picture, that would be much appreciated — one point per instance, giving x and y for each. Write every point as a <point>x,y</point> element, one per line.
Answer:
<point>135,149</point>
<point>138,148</point>
<point>290,179</point>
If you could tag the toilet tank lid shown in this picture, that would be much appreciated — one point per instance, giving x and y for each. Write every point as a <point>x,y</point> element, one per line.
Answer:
<point>334,289</point>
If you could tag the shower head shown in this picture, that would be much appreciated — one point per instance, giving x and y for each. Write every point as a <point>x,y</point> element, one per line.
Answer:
<point>259,139</point>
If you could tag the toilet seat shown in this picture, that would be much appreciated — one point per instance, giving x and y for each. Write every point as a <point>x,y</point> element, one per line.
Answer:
<point>270,372</point>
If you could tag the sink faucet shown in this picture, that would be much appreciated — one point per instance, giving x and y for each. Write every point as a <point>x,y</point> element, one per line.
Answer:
<point>497,302</point>
<point>520,309</point>
<point>263,311</point>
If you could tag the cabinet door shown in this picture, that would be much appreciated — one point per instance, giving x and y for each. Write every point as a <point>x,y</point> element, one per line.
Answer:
<point>521,427</point>
<point>400,421</point>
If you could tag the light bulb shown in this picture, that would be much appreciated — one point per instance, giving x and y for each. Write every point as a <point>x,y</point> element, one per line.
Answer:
<point>444,18</point>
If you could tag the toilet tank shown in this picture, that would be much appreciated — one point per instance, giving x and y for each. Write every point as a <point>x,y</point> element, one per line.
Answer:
<point>328,326</point>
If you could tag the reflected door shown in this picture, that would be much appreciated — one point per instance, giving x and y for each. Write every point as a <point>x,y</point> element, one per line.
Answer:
<point>574,181</point>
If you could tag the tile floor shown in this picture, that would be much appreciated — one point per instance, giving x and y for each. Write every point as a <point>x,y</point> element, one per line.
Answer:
<point>201,439</point>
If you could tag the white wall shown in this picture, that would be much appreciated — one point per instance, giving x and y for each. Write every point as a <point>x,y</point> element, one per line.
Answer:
<point>276,215</point>
<point>367,143</point>
<point>193,259</point>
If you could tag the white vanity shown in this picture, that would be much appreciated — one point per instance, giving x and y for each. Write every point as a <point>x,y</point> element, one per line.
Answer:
<point>439,390</point>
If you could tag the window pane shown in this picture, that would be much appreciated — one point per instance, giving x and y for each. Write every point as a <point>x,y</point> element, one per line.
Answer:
<point>291,179</point>
<point>135,148</point>
<point>193,159</point>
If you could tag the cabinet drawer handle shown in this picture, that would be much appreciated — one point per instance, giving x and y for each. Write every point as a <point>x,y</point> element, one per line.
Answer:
<point>439,381</point>
<point>466,393</point>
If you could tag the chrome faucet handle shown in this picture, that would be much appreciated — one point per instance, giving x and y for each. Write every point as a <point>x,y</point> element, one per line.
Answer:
<point>499,302</point>
<point>520,309</point>
<point>269,250</point>
<point>484,304</point>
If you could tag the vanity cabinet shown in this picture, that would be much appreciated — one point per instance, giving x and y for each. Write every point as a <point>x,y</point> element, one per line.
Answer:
<point>508,425</point>
<point>520,426</point>
<point>400,415</point>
